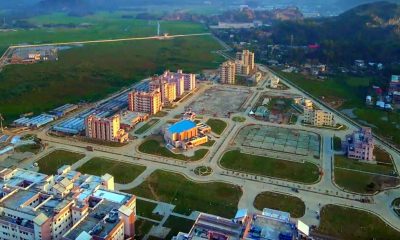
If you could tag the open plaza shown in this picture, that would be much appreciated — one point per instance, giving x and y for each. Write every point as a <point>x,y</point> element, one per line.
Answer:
<point>194,169</point>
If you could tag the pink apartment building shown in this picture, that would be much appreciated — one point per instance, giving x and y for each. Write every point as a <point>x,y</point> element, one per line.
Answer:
<point>360,145</point>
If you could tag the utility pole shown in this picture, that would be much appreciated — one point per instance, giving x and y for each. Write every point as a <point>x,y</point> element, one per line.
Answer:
<point>158,28</point>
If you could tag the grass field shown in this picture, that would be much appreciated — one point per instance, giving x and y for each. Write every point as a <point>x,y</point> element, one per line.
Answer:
<point>147,126</point>
<point>93,71</point>
<point>353,91</point>
<point>292,171</point>
<point>123,172</point>
<point>362,182</point>
<point>101,25</point>
<point>347,223</point>
<point>214,197</point>
<point>145,209</point>
<point>154,146</point>
<point>33,148</point>
<point>282,202</point>
<point>142,227</point>
<point>53,161</point>
<point>344,162</point>
<point>217,126</point>
<point>177,224</point>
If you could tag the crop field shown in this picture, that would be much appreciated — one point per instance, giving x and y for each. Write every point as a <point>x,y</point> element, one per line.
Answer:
<point>93,71</point>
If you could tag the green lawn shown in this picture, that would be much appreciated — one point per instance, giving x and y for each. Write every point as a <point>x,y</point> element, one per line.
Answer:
<point>123,172</point>
<point>145,209</point>
<point>142,227</point>
<point>147,126</point>
<point>177,224</point>
<point>382,156</point>
<point>347,223</point>
<point>292,171</point>
<point>33,148</point>
<point>361,182</point>
<point>210,143</point>
<point>239,119</point>
<point>282,202</point>
<point>217,125</point>
<point>337,143</point>
<point>214,197</point>
<point>344,162</point>
<point>53,161</point>
<point>155,147</point>
<point>93,71</point>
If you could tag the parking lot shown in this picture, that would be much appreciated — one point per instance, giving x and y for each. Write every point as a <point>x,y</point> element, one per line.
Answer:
<point>279,139</point>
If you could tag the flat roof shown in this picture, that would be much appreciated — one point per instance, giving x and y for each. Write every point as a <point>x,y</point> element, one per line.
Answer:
<point>116,197</point>
<point>182,126</point>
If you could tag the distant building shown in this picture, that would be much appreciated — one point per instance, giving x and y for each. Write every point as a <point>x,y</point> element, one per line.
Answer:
<point>319,117</point>
<point>228,72</point>
<point>273,82</point>
<point>186,134</point>
<point>167,90</point>
<point>64,109</point>
<point>106,129</point>
<point>146,102</point>
<point>360,145</point>
<point>271,225</point>
<point>67,206</point>
<point>244,62</point>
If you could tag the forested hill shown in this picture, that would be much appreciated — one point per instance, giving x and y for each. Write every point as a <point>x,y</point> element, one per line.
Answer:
<point>370,32</point>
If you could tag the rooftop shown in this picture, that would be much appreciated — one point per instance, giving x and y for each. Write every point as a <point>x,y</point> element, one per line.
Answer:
<point>182,126</point>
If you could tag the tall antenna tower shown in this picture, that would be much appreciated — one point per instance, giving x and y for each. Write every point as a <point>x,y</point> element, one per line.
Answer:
<point>158,28</point>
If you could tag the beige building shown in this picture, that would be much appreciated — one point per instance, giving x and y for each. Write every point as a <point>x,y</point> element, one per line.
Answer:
<point>318,117</point>
<point>69,205</point>
<point>228,72</point>
<point>146,102</point>
<point>245,62</point>
<point>167,90</point>
<point>106,129</point>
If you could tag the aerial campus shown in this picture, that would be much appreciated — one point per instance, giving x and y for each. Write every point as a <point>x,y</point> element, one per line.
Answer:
<point>219,147</point>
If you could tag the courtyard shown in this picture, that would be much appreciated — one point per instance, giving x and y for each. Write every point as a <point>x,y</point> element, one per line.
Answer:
<point>268,138</point>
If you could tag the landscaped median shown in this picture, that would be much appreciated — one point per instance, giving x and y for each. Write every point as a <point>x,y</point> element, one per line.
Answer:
<point>155,146</point>
<point>211,197</point>
<point>293,171</point>
<point>348,223</point>
<point>282,202</point>
<point>123,172</point>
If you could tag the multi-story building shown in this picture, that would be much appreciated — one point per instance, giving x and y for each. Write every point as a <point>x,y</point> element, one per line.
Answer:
<point>184,82</point>
<point>360,145</point>
<point>228,72</point>
<point>245,62</point>
<point>167,90</point>
<point>146,102</point>
<point>66,206</point>
<point>318,117</point>
<point>186,134</point>
<point>106,129</point>
<point>270,225</point>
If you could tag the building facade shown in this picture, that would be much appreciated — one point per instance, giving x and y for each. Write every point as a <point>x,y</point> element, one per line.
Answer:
<point>146,102</point>
<point>270,225</point>
<point>65,206</point>
<point>167,90</point>
<point>228,72</point>
<point>106,129</point>
<point>245,62</point>
<point>360,145</point>
<point>318,117</point>
<point>186,134</point>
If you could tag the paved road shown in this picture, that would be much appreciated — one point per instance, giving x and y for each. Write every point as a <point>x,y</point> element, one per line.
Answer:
<point>315,195</point>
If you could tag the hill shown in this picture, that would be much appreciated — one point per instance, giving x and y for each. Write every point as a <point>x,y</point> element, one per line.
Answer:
<point>370,32</point>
